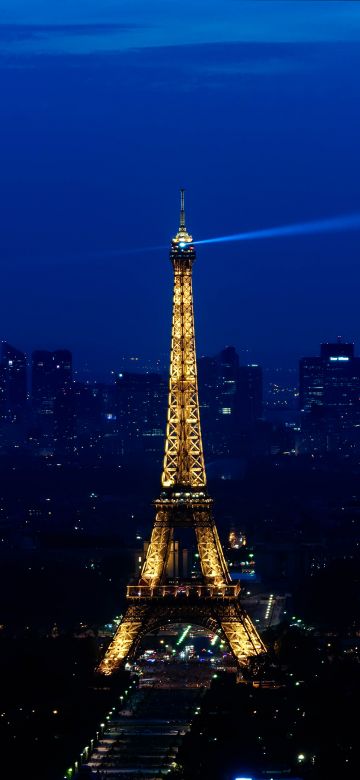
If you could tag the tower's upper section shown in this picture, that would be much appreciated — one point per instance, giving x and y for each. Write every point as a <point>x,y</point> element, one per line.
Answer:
<point>184,461</point>
<point>182,251</point>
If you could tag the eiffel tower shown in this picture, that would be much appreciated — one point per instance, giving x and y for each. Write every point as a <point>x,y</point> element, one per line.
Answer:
<point>184,502</point>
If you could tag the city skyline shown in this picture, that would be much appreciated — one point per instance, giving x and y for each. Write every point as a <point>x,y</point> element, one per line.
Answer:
<point>134,362</point>
<point>139,364</point>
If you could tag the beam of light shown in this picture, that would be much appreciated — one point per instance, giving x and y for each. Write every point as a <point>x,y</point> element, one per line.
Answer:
<point>327,225</point>
<point>343,223</point>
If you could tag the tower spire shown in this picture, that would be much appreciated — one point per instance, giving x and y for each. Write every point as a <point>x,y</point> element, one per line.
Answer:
<point>182,208</point>
<point>182,236</point>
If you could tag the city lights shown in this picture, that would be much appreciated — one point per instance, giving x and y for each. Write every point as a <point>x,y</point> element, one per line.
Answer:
<point>180,423</point>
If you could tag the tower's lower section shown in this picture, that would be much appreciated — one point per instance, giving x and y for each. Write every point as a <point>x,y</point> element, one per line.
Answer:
<point>224,616</point>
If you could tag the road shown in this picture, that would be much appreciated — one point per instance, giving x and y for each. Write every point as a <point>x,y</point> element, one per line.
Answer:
<point>142,740</point>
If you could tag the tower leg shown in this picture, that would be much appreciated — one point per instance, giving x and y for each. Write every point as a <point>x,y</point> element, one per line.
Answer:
<point>213,564</point>
<point>241,634</point>
<point>127,635</point>
<point>158,551</point>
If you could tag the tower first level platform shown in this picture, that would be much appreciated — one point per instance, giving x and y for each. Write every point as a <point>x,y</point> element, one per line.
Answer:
<point>217,611</point>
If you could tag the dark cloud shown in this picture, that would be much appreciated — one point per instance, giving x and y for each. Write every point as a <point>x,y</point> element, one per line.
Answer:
<point>11,33</point>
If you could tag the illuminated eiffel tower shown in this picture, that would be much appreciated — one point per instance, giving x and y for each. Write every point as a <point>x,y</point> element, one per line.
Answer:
<point>213,602</point>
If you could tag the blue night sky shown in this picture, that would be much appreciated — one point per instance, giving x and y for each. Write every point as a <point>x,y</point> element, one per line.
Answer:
<point>107,108</point>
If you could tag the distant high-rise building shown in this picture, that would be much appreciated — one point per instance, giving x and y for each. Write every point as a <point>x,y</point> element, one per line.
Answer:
<point>51,374</point>
<point>311,383</point>
<point>330,380</point>
<point>208,378</point>
<point>65,424</point>
<point>249,395</point>
<point>230,397</point>
<point>228,375</point>
<point>13,383</point>
<point>218,378</point>
<point>140,411</point>
<point>330,396</point>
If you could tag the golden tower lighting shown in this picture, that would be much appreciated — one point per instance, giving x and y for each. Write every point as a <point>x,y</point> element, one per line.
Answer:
<point>213,602</point>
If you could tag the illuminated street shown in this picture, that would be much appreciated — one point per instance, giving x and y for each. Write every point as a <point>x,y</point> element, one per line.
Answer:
<point>142,737</point>
<point>146,742</point>
<point>266,609</point>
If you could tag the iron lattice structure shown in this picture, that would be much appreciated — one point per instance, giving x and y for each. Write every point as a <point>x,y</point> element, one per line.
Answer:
<point>184,502</point>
